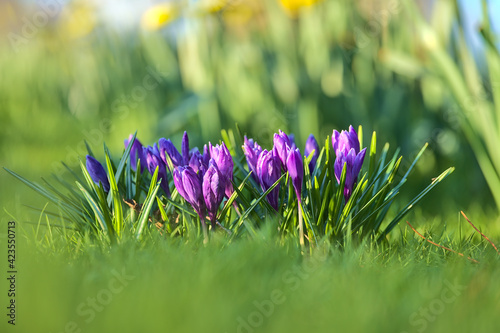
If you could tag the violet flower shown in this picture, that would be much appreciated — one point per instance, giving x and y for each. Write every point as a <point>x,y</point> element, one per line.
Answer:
<point>188,185</point>
<point>346,146</point>
<point>225,163</point>
<point>167,147</point>
<point>312,147</point>
<point>269,171</point>
<point>252,152</point>
<point>136,153</point>
<point>213,190</point>
<point>295,166</point>
<point>345,141</point>
<point>154,161</point>
<point>97,172</point>
<point>282,143</point>
<point>199,162</point>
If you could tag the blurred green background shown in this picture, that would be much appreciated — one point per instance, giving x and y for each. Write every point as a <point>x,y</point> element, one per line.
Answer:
<point>97,71</point>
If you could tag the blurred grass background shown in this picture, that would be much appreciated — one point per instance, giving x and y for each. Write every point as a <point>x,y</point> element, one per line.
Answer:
<point>98,71</point>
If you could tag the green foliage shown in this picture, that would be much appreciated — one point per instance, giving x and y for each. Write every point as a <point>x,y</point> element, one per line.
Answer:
<point>477,96</point>
<point>326,214</point>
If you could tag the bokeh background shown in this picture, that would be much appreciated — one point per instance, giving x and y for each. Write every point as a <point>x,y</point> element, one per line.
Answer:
<point>99,70</point>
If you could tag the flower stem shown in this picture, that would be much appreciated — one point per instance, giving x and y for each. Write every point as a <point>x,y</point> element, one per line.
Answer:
<point>301,225</point>
<point>205,231</point>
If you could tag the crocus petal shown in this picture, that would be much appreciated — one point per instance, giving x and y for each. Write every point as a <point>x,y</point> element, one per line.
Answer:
<point>136,153</point>
<point>185,148</point>
<point>345,141</point>
<point>179,185</point>
<point>188,185</point>
<point>312,147</point>
<point>167,147</point>
<point>295,168</point>
<point>213,189</point>
<point>269,171</point>
<point>224,161</point>
<point>358,163</point>
<point>97,172</point>
<point>252,152</point>
<point>154,161</point>
<point>282,146</point>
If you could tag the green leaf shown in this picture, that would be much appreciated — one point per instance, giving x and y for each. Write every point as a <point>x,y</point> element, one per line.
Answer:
<point>415,200</point>
<point>148,204</point>
<point>256,203</point>
<point>117,200</point>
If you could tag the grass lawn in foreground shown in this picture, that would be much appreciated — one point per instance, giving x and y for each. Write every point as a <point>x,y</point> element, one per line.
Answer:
<point>254,286</point>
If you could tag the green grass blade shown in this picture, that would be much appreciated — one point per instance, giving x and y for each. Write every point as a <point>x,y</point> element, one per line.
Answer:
<point>148,204</point>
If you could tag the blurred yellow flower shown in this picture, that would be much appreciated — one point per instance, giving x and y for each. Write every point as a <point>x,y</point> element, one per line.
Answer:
<point>292,7</point>
<point>76,20</point>
<point>158,16</point>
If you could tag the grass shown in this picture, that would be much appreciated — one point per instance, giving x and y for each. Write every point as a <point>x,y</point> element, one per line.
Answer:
<point>182,286</point>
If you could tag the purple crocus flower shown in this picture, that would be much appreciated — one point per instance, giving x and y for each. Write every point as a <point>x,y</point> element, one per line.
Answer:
<point>295,166</point>
<point>269,171</point>
<point>225,163</point>
<point>345,141</point>
<point>312,147</point>
<point>346,146</point>
<point>213,190</point>
<point>154,161</point>
<point>136,153</point>
<point>282,144</point>
<point>97,172</point>
<point>167,147</point>
<point>189,186</point>
<point>252,152</point>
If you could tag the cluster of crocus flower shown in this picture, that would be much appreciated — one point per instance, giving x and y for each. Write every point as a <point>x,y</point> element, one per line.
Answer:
<point>205,178</point>
<point>202,179</point>
<point>268,166</point>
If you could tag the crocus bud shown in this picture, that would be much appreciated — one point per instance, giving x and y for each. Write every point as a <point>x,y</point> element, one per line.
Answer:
<point>312,147</point>
<point>97,172</point>
<point>295,166</point>
<point>188,185</point>
<point>185,148</point>
<point>154,161</point>
<point>269,171</point>
<point>225,163</point>
<point>252,152</point>
<point>213,190</point>
<point>345,141</point>
<point>346,146</point>
<point>353,165</point>
<point>282,144</point>
<point>136,153</point>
